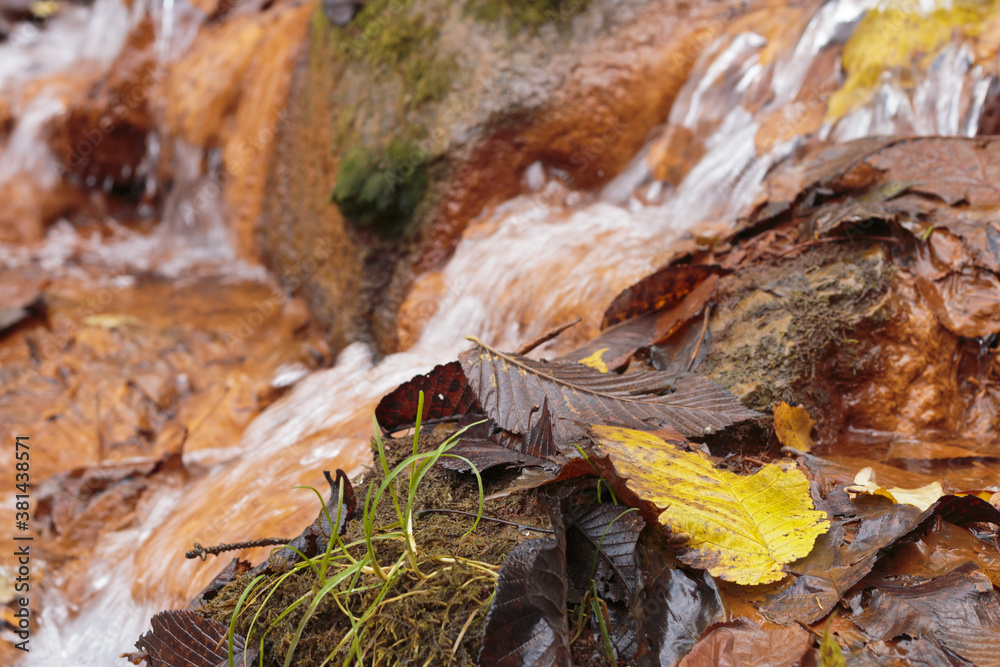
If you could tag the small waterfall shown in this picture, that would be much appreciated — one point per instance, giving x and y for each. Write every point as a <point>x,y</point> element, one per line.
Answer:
<point>528,265</point>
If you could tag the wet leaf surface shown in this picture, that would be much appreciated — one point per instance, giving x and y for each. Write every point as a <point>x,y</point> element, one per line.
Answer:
<point>741,643</point>
<point>600,545</point>
<point>181,638</point>
<point>509,387</point>
<point>676,610</point>
<point>960,611</point>
<point>739,528</point>
<point>526,624</point>
<point>663,289</point>
<point>446,394</point>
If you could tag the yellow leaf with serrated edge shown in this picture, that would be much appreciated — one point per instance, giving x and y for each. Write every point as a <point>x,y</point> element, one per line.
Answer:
<point>739,528</point>
<point>922,498</point>
<point>596,361</point>
<point>793,426</point>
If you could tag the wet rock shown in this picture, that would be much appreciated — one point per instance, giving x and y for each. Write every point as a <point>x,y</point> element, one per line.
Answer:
<point>422,92</point>
<point>102,138</point>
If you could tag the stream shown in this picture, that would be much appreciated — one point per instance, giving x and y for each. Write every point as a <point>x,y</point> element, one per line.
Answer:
<point>523,267</point>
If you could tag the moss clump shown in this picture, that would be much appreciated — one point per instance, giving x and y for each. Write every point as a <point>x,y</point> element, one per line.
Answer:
<point>528,15</point>
<point>435,620</point>
<point>380,190</point>
<point>390,38</point>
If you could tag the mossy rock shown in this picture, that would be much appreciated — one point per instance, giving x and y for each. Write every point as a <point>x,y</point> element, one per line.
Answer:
<point>528,15</point>
<point>381,190</point>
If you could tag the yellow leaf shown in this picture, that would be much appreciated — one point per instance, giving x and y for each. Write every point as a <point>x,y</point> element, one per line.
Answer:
<point>110,320</point>
<point>792,426</point>
<point>739,528</point>
<point>922,498</point>
<point>830,654</point>
<point>595,360</point>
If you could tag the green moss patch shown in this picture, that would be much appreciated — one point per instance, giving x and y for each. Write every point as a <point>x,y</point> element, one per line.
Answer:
<point>380,190</point>
<point>527,15</point>
<point>395,40</point>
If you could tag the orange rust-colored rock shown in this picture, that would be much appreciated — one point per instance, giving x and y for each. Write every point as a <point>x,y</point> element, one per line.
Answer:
<point>590,102</point>
<point>103,134</point>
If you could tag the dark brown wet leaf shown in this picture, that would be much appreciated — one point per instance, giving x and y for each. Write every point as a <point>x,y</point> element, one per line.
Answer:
<point>182,638</point>
<point>676,610</point>
<point>663,289</point>
<point>741,643</point>
<point>526,625</point>
<point>487,446</point>
<point>833,566</point>
<point>614,347</point>
<point>509,387</point>
<point>960,611</point>
<point>235,568</point>
<point>446,394</point>
<point>600,544</point>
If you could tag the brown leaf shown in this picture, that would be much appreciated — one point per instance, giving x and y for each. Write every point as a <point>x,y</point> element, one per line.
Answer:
<point>235,568</point>
<point>741,643</point>
<point>509,387</point>
<point>832,567</point>
<point>487,446</point>
<point>526,624</point>
<point>601,543</point>
<point>676,610</point>
<point>446,394</point>
<point>662,289</point>
<point>952,168</point>
<point>960,610</point>
<point>182,638</point>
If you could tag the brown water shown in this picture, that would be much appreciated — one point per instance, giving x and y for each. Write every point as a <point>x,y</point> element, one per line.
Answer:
<point>533,263</point>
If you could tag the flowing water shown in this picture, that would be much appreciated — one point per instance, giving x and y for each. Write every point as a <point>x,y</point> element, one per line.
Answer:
<point>533,263</point>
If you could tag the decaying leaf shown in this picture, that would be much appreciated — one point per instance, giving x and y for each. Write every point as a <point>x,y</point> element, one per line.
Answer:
<point>741,529</point>
<point>601,542</point>
<point>676,611</point>
<point>662,289</point>
<point>741,642</point>
<point>181,637</point>
<point>793,426</point>
<point>234,569</point>
<point>526,624</point>
<point>509,387</point>
<point>922,498</point>
<point>487,446</point>
<point>960,610</point>
<point>446,394</point>
<point>835,565</point>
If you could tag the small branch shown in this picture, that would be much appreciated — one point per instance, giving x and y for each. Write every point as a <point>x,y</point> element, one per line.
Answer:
<point>484,517</point>
<point>200,551</point>
<point>701,338</point>
<point>545,338</point>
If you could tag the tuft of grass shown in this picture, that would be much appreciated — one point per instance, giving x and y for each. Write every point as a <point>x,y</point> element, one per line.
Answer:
<point>354,580</point>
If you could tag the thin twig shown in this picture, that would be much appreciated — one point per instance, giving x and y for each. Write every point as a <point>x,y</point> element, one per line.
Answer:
<point>701,338</point>
<point>200,551</point>
<point>545,337</point>
<point>487,518</point>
